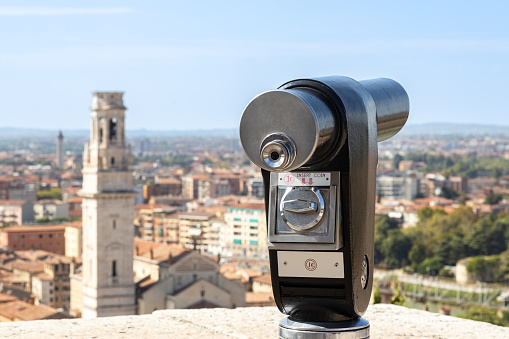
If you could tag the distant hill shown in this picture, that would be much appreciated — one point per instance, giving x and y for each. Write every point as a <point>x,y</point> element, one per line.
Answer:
<point>438,129</point>
<point>32,133</point>
<point>454,129</point>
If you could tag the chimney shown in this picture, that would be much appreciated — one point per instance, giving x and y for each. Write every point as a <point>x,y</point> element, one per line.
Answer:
<point>137,251</point>
<point>151,254</point>
<point>170,259</point>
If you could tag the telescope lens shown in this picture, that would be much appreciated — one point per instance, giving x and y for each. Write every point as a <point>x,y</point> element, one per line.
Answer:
<point>277,151</point>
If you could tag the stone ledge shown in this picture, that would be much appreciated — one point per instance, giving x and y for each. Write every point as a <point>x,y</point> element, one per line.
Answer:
<point>387,321</point>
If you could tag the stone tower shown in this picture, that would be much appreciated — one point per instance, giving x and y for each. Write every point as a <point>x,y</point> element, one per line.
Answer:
<point>60,150</point>
<point>108,212</point>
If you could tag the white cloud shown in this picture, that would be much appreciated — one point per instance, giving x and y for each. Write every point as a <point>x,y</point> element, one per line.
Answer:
<point>52,11</point>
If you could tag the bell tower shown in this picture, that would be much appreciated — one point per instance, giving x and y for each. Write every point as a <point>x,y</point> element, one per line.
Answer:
<point>108,211</point>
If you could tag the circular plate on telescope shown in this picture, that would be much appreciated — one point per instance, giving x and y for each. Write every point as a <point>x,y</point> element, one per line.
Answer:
<point>291,112</point>
<point>347,329</point>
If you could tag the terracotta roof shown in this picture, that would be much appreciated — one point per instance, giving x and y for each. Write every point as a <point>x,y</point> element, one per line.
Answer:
<point>145,283</point>
<point>38,228</point>
<point>75,199</point>
<point>5,298</point>
<point>6,257</point>
<point>264,279</point>
<point>34,254</point>
<point>160,252</point>
<point>235,275</point>
<point>25,311</point>
<point>73,189</point>
<point>201,177</point>
<point>433,201</point>
<point>26,178</point>
<point>169,181</point>
<point>27,266</point>
<point>251,206</point>
<point>76,213</point>
<point>13,202</point>
<point>13,279</point>
<point>8,310</point>
<point>214,209</point>
<point>152,207</point>
<point>77,224</point>
<point>59,259</point>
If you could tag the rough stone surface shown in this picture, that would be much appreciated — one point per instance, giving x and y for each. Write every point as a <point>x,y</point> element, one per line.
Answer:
<point>387,321</point>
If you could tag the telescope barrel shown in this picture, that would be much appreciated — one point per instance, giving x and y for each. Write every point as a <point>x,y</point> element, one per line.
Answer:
<point>392,105</point>
<point>286,129</point>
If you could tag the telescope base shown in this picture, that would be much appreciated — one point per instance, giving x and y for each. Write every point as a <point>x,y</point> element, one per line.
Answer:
<point>348,329</point>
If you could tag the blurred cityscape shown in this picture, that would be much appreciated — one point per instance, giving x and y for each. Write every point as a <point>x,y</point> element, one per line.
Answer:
<point>442,224</point>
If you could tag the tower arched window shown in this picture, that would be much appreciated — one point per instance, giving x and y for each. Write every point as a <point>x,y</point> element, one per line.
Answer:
<point>101,132</point>
<point>114,268</point>
<point>113,129</point>
<point>112,160</point>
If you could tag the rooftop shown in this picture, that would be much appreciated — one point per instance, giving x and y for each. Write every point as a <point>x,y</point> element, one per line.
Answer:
<point>35,228</point>
<point>387,321</point>
<point>12,202</point>
<point>159,252</point>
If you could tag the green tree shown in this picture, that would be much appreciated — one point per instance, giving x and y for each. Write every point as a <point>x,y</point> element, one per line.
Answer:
<point>493,199</point>
<point>399,297</point>
<point>485,268</point>
<point>417,254</point>
<point>397,159</point>
<point>53,193</point>
<point>395,247</point>
<point>383,224</point>
<point>431,266</point>
<point>448,193</point>
<point>488,315</point>
<point>377,296</point>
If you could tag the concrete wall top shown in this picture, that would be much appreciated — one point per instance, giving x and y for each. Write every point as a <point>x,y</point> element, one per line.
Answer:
<point>387,321</point>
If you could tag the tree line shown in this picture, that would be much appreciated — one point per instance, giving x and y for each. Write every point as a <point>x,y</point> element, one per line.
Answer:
<point>455,165</point>
<point>440,239</point>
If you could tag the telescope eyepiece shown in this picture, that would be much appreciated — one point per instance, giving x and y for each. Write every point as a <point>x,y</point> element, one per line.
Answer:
<point>278,151</point>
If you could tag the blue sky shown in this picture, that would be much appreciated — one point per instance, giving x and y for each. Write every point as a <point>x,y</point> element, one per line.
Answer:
<point>196,64</point>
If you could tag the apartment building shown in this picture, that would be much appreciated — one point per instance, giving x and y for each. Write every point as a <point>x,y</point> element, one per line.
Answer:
<point>46,276</point>
<point>19,187</point>
<point>45,237</point>
<point>15,212</point>
<point>162,186</point>
<point>153,224</point>
<point>246,230</point>
<point>397,186</point>
<point>51,209</point>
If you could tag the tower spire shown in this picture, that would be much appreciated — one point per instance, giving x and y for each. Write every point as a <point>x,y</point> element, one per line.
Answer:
<point>60,150</point>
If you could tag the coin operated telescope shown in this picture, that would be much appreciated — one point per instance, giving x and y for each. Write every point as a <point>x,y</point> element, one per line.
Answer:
<point>315,141</point>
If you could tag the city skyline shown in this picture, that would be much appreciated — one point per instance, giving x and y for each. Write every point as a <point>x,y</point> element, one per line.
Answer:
<point>196,66</point>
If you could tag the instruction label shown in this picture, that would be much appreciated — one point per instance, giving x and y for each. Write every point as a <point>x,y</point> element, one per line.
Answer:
<point>304,179</point>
